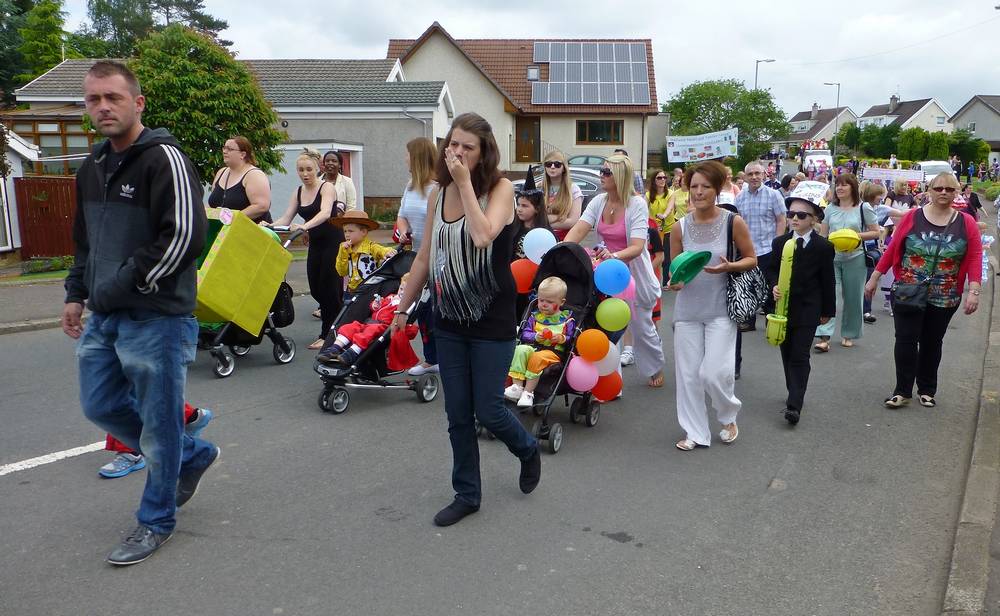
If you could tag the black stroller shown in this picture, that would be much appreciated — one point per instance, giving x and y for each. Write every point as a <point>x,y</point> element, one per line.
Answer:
<point>229,341</point>
<point>570,262</point>
<point>370,370</point>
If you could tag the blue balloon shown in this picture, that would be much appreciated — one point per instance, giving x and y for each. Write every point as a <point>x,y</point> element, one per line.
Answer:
<point>612,277</point>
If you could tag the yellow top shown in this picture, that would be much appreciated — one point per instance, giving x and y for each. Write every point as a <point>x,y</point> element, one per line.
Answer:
<point>358,262</point>
<point>658,206</point>
<point>680,203</point>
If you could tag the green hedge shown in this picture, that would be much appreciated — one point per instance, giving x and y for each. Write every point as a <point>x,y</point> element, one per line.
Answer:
<point>990,189</point>
<point>903,164</point>
<point>53,264</point>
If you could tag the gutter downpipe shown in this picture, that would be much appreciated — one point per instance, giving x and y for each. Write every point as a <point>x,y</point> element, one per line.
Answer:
<point>413,117</point>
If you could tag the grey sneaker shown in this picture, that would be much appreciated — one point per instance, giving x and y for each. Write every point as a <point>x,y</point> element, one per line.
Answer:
<point>138,546</point>
<point>187,483</point>
<point>123,464</point>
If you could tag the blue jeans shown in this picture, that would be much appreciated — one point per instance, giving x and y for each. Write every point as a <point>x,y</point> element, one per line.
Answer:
<point>133,364</point>
<point>473,372</point>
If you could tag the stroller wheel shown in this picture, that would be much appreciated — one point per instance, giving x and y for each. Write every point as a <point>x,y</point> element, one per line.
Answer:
<point>280,356</point>
<point>576,410</point>
<point>224,366</point>
<point>427,387</point>
<point>555,438</point>
<point>239,350</point>
<point>334,400</point>
<point>593,414</point>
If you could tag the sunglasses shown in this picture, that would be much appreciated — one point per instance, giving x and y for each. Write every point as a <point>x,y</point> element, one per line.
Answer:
<point>799,215</point>
<point>553,164</point>
<point>605,172</point>
<point>661,177</point>
<point>941,189</point>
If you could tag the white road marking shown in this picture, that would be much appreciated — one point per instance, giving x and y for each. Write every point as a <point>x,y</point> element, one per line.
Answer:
<point>24,465</point>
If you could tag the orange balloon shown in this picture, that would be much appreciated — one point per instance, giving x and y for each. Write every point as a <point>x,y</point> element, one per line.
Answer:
<point>592,345</point>
<point>607,387</point>
<point>524,274</point>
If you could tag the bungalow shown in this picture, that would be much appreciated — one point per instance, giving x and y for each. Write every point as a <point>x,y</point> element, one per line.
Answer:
<point>19,154</point>
<point>981,117</point>
<point>927,113</point>
<point>578,96</point>
<point>814,125</point>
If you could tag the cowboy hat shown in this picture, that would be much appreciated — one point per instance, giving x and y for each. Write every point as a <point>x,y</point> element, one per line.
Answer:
<point>354,217</point>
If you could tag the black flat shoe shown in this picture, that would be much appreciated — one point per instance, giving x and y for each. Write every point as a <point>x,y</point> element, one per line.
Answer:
<point>531,472</point>
<point>187,483</point>
<point>137,547</point>
<point>792,416</point>
<point>453,513</point>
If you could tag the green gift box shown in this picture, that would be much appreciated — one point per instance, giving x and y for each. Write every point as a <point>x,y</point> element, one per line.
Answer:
<point>240,272</point>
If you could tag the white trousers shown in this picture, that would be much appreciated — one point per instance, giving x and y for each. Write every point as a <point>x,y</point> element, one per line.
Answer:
<point>646,343</point>
<point>705,360</point>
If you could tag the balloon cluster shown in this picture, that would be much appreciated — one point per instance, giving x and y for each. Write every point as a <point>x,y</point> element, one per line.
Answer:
<point>613,279</point>
<point>536,243</point>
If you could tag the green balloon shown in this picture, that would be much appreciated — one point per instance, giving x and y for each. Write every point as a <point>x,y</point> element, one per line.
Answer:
<point>613,314</point>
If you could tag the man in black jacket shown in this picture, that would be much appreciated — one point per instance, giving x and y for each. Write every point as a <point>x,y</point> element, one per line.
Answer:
<point>812,291</point>
<point>140,226</point>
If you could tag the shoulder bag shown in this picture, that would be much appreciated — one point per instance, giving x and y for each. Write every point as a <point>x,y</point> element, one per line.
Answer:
<point>745,291</point>
<point>873,254</point>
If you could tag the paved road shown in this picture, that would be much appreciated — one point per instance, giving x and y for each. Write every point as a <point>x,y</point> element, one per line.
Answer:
<point>853,512</point>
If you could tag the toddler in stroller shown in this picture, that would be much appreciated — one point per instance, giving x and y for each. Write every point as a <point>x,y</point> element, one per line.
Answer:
<point>543,334</point>
<point>345,343</point>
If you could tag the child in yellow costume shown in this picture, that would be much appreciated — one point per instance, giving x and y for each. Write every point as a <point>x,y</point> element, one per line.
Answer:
<point>358,256</point>
<point>545,332</point>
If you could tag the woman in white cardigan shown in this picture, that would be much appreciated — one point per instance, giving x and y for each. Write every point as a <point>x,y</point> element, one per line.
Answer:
<point>621,219</point>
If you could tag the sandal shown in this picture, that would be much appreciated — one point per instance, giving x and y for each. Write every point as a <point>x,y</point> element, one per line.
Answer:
<point>656,380</point>
<point>847,343</point>
<point>896,401</point>
<point>822,346</point>
<point>927,401</point>
<point>317,314</point>
<point>729,435</point>
<point>316,345</point>
<point>686,444</point>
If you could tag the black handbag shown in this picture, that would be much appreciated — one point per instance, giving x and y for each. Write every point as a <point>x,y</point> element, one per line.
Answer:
<point>912,296</point>
<point>745,291</point>
<point>872,255</point>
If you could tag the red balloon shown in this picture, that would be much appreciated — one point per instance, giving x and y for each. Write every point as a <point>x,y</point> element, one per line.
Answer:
<point>524,274</point>
<point>608,387</point>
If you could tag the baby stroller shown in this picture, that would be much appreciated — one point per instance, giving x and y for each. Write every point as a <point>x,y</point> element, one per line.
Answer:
<point>370,369</point>
<point>570,262</point>
<point>227,341</point>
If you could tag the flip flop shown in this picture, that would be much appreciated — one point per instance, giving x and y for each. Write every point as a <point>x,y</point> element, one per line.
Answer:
<point>686,445</point>
<point>656,380</point>
<point>847,343</point>
<point>822,347</point>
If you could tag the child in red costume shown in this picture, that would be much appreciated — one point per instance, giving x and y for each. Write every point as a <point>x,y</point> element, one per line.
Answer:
<point>344,345</point>
<point>128,461</point>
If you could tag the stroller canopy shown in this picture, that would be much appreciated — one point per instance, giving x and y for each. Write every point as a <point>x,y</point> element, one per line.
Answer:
<point>569,261</point>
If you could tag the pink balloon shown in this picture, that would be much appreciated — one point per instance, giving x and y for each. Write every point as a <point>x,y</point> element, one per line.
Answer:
<point>581,374</point>
<point>629,293</point>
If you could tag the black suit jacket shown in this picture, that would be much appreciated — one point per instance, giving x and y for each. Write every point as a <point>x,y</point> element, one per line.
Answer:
<point>813,287</point>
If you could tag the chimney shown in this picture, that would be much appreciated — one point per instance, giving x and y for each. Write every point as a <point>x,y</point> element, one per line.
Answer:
<point>814,112</point>
<point>893,103</point>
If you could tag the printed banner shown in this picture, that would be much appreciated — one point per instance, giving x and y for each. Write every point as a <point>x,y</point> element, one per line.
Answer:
<point>907,175</point>
<point>693,148</point>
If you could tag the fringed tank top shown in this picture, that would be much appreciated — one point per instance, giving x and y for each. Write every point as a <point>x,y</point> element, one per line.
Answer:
<point>474,292</point>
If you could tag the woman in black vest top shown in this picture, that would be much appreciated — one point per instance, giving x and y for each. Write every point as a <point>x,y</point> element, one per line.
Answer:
<point>468,241</point>
<point>240,185</point>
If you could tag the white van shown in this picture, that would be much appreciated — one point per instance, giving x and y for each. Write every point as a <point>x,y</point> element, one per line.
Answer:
<point>933,167</point>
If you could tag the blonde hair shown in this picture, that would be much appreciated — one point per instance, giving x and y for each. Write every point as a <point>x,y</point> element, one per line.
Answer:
<point>899,186</point>
<point>621,172</point>
<point>947,178</point>
<point>564,198</point>
<point>870,191</point>
<point>311,155</point>
<point>553,285</point>
<point>422,158</point>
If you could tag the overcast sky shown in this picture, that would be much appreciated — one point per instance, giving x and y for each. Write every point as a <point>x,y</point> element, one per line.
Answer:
<point>919,48</point>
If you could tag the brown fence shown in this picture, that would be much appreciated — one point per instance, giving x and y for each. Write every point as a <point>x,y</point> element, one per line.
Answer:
<point>45,210</point>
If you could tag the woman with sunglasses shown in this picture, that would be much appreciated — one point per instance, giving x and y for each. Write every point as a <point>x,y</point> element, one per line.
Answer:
<point>563,198</point>
<point>236,186</point>
<point>940,247</point>
<point>660,209</point>
<point>621,219</point>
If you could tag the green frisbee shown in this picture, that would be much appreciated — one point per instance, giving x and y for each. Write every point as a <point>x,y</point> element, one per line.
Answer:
<point>687,265</point>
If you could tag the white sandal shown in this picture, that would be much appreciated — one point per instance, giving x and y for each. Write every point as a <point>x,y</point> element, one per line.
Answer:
<point>686,444</point>
<point>727,435</point>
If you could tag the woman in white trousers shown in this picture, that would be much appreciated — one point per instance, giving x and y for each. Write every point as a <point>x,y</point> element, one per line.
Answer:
<point>704,335</point>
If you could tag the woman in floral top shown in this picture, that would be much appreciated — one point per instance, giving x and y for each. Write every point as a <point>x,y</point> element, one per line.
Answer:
<point>939,246</point>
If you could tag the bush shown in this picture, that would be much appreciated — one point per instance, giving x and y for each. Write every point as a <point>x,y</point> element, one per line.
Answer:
<point>47,264</point>
<point>990,189</point>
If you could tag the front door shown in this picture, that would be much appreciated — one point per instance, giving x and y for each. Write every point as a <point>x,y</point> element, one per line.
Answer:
<point>528,141</point>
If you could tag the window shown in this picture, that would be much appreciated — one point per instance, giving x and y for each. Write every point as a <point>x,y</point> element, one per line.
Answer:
<point>940,120</point>
<point>972,127</point>
<point>59,138</point>
<point>533,73</point>
<point>599,132</point>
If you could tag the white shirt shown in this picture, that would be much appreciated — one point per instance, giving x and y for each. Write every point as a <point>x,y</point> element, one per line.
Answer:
<point>805,238</point>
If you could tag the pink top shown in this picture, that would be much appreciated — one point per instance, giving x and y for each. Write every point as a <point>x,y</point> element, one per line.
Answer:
<point>972,264</point>
<point>614,235</point>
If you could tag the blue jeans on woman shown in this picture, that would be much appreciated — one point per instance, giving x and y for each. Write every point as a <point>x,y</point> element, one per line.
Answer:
<point>473,372</point>
<point>133,364</point>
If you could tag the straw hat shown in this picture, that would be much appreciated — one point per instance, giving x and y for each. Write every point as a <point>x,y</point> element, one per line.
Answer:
<point>354,217</point>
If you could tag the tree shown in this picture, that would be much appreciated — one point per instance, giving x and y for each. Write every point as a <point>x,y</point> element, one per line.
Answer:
<point>709,106</point>
<point>192,14</point>
<point>937,146</point>
<point>123,23</point>
<point>888,137</point>
<point>868,139</point>
<point>195,89</point>
<point>42,38</point>
<point>12,63</point>
<point>849,136</point>
<point>912,144</point>
<point>967,147</point>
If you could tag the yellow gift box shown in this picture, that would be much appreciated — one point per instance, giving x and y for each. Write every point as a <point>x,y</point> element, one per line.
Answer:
<point>240,273</point>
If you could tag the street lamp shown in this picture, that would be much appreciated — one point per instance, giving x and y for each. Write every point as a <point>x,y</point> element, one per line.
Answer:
<point>756,68</point>
<point>836,117</point>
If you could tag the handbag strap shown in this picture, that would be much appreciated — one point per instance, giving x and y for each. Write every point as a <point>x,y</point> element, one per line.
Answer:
<point>730,241</point>
<point>937,252</point>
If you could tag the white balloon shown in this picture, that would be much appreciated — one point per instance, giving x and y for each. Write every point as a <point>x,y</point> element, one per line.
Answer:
<point>537,242</point>
<point>609,363</point>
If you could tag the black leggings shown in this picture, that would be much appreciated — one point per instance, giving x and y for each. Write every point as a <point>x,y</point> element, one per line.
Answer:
<point>325,284</point>
<point>919,337</point>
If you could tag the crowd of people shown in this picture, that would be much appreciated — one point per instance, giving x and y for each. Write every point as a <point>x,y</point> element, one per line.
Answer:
<point>467,225</point>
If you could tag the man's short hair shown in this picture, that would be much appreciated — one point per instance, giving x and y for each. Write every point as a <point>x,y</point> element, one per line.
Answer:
<point>754,163</point>
<point>108,68</point>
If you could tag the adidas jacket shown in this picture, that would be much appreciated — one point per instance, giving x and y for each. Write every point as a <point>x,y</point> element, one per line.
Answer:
<point>138,235</point>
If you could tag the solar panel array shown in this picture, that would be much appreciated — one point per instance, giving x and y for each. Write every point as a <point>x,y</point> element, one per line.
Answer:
<point>586,73</point>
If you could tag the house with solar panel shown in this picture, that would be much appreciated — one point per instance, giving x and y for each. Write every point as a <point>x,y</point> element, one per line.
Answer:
<point>578,96</point>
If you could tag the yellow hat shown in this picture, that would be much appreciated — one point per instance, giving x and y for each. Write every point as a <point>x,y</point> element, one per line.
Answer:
<point>845,240</point>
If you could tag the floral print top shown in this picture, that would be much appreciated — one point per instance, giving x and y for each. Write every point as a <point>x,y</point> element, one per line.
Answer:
<point>927,244</point>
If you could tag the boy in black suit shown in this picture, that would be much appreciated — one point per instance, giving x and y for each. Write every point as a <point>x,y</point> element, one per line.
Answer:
<point>812,300</point>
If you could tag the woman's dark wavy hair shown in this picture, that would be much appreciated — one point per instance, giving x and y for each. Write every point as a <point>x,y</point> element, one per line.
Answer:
<point>487,172</point>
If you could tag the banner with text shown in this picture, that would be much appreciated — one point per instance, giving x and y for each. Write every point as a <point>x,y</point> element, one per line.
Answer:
<point>907,175</point>
<point>693,148</point>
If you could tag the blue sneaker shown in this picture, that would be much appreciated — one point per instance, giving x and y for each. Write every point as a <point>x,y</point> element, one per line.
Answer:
<point>194,428</point>
<point>123,464</point>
